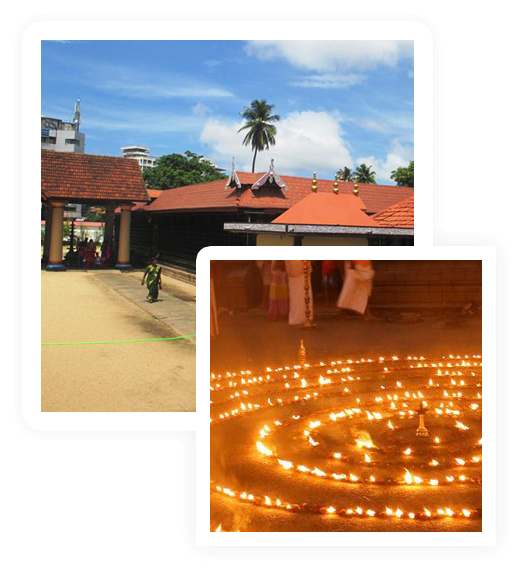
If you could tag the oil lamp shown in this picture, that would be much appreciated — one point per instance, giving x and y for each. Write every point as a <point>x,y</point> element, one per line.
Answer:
<point>422,429</point>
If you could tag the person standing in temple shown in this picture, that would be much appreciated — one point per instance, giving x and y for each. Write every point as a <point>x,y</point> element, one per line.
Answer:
<point>153,276</point>
<point>214,329</point>
<point>300,293</point>
<point>357,287</point>
<point>90,254</point>
<point>278,292</point>
<point>265,273</point>
<point>330,278</point>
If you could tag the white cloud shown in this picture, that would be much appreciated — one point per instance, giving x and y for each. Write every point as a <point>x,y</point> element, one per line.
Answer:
<point>333,55</point>
<point>307,141</point>
<point>329,81</point>
<point>145,83</point>
<point>389,123</point>
<point>144,123</point>
<point>398,156</point>
<point>167,88</point>
<point>200,110</point>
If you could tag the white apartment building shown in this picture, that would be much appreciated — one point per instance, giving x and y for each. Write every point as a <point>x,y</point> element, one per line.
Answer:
<point>61,136</point>
<point>64,137</point>
<point>141,154</point>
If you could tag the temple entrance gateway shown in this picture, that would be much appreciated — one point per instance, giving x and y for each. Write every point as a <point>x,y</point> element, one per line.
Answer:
<point>90,180</point>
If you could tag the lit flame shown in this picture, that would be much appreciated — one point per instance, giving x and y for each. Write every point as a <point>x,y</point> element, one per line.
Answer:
<point>364,440</point>
<point>263,449</point>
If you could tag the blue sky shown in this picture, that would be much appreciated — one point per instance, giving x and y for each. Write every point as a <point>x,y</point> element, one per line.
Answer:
<point>340,102</point>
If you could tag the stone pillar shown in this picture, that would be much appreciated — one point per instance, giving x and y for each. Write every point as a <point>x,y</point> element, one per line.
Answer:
<point>55,252</point>
<point>123,251</point>
<point>47,232</point>
<point>109,225</point>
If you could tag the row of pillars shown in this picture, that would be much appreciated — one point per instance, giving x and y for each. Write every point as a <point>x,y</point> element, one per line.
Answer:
<point>53,234</point>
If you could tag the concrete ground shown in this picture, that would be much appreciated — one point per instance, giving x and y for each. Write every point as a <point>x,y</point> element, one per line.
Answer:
<point>248,340</point>
<point>109,305</point>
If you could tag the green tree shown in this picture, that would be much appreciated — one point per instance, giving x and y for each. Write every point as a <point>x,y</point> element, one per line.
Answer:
<point>363,174</point>
<point>176,170</point>
<point>404,176</point>
<point>260,128</point>
<point>345,174</point>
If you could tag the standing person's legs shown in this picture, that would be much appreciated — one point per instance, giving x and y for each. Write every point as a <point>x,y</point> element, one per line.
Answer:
<point>326,292</point>
<point>296,297</point>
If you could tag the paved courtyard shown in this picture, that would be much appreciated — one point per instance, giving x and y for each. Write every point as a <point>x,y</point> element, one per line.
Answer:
<point>112,306</point>
<point>249,338</point>
<point>249,341</point>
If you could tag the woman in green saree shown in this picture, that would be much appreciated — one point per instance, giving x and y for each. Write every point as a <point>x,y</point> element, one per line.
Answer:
<point>153,276</point>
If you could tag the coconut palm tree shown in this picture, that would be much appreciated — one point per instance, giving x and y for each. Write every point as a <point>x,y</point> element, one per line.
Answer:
<point>259,123</point>
<point>363,174</point>
<point>345,174</point>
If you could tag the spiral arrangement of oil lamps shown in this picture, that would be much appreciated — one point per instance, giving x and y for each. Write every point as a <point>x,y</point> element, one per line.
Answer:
<point>384,439</point>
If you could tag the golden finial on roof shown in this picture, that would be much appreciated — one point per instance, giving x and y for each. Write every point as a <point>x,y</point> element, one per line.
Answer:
<point>336,184</point>
<point>356,189</point>
<point>314,183</point>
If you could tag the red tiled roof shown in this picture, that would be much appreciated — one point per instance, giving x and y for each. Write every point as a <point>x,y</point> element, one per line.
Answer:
<point>79,176</point>
<point>214,195</point>
<point>152,193</point>
<point>399,215</point>
<point>327,209</point>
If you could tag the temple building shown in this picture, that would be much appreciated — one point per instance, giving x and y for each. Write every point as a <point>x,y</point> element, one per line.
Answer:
<point>97,180</point>
<point>270,209</point>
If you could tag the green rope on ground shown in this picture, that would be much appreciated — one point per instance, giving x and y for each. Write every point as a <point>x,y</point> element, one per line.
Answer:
<point>116,341</point>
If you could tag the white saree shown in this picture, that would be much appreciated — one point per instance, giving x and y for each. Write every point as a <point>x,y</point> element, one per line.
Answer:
<point>298,292</point>
<point>356,288</point>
